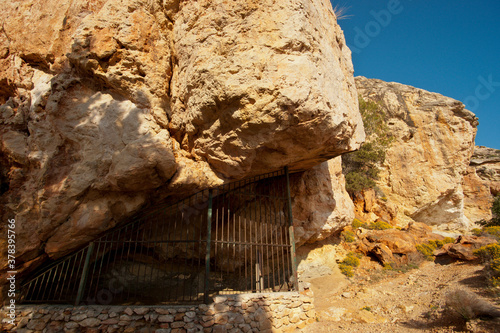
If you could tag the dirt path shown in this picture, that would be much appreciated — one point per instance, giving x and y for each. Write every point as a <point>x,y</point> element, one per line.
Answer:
<point>415,301</point>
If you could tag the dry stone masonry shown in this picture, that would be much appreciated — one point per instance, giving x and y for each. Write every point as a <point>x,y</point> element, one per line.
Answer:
<point>279,312</point>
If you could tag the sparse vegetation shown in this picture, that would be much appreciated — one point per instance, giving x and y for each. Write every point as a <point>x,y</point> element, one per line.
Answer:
<point>495,211</point>
<point>495,208</point>
<point>361,167</point>
<point>348,236</point>
<point>493,231</point>
<point>490,256</point>
<point>378,225</point>
<point>350,262</point>
<point>357,224</point>
<point>488,252</point>
<point>340,12</point>
<point>427,249</point>
<point>469,305</point>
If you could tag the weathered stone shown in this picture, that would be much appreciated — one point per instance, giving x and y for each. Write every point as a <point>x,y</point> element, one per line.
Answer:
<point>178,330</point>
<point>208,323</point>
<point>90,322</point>
<point>165,318</point>
<point>103,316</point>
<point>58,316</point>
<point>221,307</point>
<point>219,329</point>
<point>464,247</point>
<point>110,321</point>
<point>163,330</point>
<point>191,314</point>
<point>367,317</point>
<point>433,140</point>
<point>321,205</point>
<point>71,325</point>
<point>127,99</point>
<point>177,324</point>
<point>481,183</point>
<point>79,317</point>
<point>221,318</point>
<point>36,324</point>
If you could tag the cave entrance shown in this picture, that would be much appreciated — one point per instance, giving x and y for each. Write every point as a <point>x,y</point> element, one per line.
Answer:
<point>235,238</point>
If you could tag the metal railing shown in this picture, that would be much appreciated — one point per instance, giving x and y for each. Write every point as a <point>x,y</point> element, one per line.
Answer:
<point>174,256</point>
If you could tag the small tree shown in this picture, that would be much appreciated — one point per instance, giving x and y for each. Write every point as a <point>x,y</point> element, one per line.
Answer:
<point>495,212</point>
<point>361,167</point>
<point>495,208</point>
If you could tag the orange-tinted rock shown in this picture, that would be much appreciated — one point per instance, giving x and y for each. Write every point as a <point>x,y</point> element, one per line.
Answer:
<point>424,166</point>
<point>108,105</point>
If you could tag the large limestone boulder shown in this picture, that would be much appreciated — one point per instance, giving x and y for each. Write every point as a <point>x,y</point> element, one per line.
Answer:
<point>321,205</point>
<point>425,165</point>
<point>107,105</point>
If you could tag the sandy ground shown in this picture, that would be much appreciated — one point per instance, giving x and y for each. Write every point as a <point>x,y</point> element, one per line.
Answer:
<point>395,301</point>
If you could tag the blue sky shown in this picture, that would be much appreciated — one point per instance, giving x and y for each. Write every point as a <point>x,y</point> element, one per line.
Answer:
<point>451,47</point>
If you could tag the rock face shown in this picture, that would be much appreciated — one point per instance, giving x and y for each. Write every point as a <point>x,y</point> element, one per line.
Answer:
<point>321,205</point>
<point>107,105</point>
<point>482,183</point>
<point>425,165</point>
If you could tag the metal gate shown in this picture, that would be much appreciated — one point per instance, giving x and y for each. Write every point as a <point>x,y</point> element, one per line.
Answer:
<point>235,238</point>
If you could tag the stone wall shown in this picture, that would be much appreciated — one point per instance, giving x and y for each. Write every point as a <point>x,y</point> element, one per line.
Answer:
<point>277,312</point>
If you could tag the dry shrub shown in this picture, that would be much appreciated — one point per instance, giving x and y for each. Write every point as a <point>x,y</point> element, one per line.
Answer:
<point>469,305</point>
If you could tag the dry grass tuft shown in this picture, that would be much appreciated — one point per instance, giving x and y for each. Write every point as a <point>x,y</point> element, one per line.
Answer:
<point>340,12</point>
<point>469,305</point>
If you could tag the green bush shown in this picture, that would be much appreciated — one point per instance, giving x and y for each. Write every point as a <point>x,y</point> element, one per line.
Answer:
<point>437,244</point>
<point>495,266</point>
<point>495,211</point>
<point>495,208</point>
<point>490,255</point>
<point>348,236</point>
<point>357,224</point>
<point>361,167</point>
<point>388,266</point>
<point>350,262</point>
<point>427,249</point>
<point>346,270</point>
<point>489,252</point>
<point>379,225</point>
<point>477,231</point>
<point>493,231</point>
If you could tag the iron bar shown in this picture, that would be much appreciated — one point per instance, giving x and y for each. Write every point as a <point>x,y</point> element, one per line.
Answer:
<point>292,237</point>
<point>248,245</point>
<point>83,279</point>
<point>207,255</point>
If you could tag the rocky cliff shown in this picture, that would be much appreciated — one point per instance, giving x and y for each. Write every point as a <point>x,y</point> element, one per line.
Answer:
<point>422,176</point>
<point>109,104</point>
<point>482,183</point>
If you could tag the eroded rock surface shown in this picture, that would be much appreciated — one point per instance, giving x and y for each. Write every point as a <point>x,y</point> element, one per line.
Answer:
<point>321,205</point>
<point>108,105</point>
<point>425,165</point>
<point>482,183</point>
